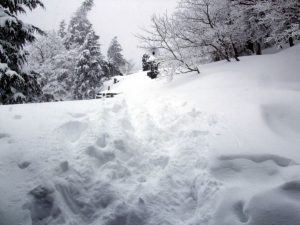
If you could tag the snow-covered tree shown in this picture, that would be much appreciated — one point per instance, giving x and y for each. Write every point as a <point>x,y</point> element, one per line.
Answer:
<point>166,35</point>
<point>16,84</point>
<point>282,17</point>
<point>115,56</point>
<point>268,23</point>
<point>210,30</point>
<point>145,64</point>
<point>79,26</point>
<point>90,66</point>
<point>62,29</point>
<point>89,71</point>
<point>54,64</point>
<point>70,65</point>
<point>45,47</point>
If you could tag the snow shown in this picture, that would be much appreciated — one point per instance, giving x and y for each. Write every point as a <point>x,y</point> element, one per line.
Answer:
<point>8,72</point>
<point>217,148</point>
<point>3,66</point>
<point>5,17</point>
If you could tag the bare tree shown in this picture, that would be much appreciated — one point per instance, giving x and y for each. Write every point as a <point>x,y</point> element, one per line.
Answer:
<point>211,30</point>
<point>164,35</point>
<point>197,32</point>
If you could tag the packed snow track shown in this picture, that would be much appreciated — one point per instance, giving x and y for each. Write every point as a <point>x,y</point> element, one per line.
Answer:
<point>109,162</point>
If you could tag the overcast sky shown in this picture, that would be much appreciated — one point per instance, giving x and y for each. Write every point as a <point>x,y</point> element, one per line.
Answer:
<point>122,18</point>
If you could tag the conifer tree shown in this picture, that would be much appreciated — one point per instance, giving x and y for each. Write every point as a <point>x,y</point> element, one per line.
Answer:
<point>146,65</point>
<point>89,72</point>
<point>115,56</point>
<point>90,63</point>
<point>79,26</point>
<point>16,85</point>
<point>62,29</point>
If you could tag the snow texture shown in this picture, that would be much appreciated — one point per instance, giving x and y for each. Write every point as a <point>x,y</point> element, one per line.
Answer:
<point>220,148</point>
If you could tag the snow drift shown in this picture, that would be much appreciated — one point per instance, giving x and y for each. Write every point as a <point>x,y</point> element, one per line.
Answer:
<point>219,148</point>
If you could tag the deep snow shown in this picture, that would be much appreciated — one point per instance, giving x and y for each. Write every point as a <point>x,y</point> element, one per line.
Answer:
<point>219,148</point>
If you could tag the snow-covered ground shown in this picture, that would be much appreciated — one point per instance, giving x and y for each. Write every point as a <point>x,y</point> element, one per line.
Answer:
<point>219,148</point>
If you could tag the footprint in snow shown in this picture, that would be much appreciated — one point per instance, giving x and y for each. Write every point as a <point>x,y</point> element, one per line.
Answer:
<point>23,165</point>
<point>64,166</point>
<point>117,108</point>
<point>126,124</point>
<point>17,117</point>
<point>72,130</point>
<point>102,141</point>
<point>42,206</point>
<point>102,157</point>
<point>120,145</point>
<point>4,135</point>
<point>77,115</point>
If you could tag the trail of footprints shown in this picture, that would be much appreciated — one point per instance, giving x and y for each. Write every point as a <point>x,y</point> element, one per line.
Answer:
<point>121,155</point>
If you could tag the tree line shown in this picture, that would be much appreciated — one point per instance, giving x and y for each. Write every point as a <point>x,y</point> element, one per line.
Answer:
<point>201,31</point>
<point>67,64</point>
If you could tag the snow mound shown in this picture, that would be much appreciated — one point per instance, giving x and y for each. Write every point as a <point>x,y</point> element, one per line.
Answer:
<point>282,119</point>
<point>274,206</point>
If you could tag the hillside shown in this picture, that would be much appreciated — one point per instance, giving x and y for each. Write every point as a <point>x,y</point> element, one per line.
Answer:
<point>218,148</point>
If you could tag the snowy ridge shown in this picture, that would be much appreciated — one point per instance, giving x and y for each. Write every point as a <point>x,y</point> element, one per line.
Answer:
<point>221,148</point>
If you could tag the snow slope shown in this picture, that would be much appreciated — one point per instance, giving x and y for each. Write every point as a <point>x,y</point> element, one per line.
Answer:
<point>220,148</point>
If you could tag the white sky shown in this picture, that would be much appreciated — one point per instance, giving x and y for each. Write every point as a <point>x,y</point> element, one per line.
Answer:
<point>122,18</point>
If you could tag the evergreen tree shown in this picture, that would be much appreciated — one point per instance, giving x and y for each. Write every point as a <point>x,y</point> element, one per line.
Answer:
<point>89,72</point>
<point>146,65</point>
<point>115,57</point>
<point>62,29</point>
<point>16,85</point>
<point>79,26</point>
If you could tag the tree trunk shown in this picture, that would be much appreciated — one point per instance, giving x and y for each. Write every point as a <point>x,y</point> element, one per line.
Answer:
<point>258,49</point>
<point>236,54</point>
<point>291,41</point>
<point>227,57</point>
<point>250,46</point>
